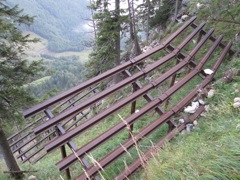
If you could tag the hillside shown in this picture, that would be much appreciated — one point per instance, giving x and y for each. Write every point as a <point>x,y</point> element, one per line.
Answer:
<point>61,23</point>
<point>209,151</point>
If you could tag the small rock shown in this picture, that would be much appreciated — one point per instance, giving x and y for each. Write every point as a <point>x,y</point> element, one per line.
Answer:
<point>195,123</point>
<point>238,126</point>
<point>137,111</point>
<point>189,127</point>
<point>208,71</point>
<point>236,104</point>
<point>181,121</point>
<point>199,5</point>
<point>207,107</point>
<point>189,109</point>
<point>195,104</point>
<point>184,17</point>
<point>210,93</point>
<point>237,99</point>
<point>192,109</point>
<point>201,101</point>
<point>32,177</point>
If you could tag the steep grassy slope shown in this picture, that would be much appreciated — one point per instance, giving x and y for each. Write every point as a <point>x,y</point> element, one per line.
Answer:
<point>212,150</point>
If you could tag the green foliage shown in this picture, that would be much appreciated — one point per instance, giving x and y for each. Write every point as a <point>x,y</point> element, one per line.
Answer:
<point>211,151</point>
<point>15,71</point>
<point>162,14</point>
<point>60,74</point>
<point>60,22</point>
<point>104,52</point>
<point>223,16</point>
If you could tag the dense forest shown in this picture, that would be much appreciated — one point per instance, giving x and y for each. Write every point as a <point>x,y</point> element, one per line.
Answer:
<point>60,74</point>
<point>62,24</point>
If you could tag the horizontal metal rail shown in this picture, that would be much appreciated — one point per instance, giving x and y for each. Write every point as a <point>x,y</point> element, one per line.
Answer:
<point>120,68</point>
<point>146,156</point>
<point>41,118</point>
<point>71,134</point>
<point>31,124</point>
<point>52,132</point>
<point>213,39</point>
<point>119,85</point>
<point>75,107</point>
<point>150,128</point>
<point>138,163</point>
<point>114,130</point>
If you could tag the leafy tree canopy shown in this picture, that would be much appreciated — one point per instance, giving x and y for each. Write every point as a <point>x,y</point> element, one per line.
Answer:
<point>15,71</point>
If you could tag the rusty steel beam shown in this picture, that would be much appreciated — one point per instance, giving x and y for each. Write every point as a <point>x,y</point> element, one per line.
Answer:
<point>24,144</point>
<point>69,135</point>
<point>148,97</point>
<point>41,118</point>
<point>119,85</point>
<point>138,163</point>
<point>20,139</point>
<point>213,39</point>
<point>76,121</point>
<point>146,156</point>
<point>71,145</point>
<point>51,101</point>
<point>34,145</point>
<point>43,138</point>
<point>33,154</point>
<point>120,126</point>
<point>29,125</point>
<point>84,95</point>
<point>150,128</point>
<point>39,158</point>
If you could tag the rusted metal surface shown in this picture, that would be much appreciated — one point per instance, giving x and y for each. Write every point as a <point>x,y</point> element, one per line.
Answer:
<point>104,75</point>
<point>114,130</point>
<point>69,135</point>
<point>125,146</point>
<point>118,86</point>
<point>146,156</point>
<point>60,115</point>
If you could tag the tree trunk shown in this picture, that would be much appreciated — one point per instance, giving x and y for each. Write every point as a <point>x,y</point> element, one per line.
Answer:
<point>136,43</point>
<point>117,40</point>
<point>148,20</point>
<point>176,9</point>
<point>133,31</point>
<point>93,22</point>
<point>8,156</point>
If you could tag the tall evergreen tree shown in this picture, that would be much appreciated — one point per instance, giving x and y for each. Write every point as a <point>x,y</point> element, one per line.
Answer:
<point>106,52</point>
<point>15,71</point>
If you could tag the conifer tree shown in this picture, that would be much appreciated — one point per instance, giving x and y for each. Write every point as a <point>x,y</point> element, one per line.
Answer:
<point>15,71</point>
<point>106,51</point>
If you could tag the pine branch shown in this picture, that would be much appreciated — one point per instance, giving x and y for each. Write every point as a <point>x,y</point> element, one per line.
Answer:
<point>227,21</point>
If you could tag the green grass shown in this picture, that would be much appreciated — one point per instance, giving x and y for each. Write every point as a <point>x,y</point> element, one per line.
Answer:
<point>211,151</point>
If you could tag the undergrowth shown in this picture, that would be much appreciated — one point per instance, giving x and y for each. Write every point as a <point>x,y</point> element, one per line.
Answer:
<point>212,150</point>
